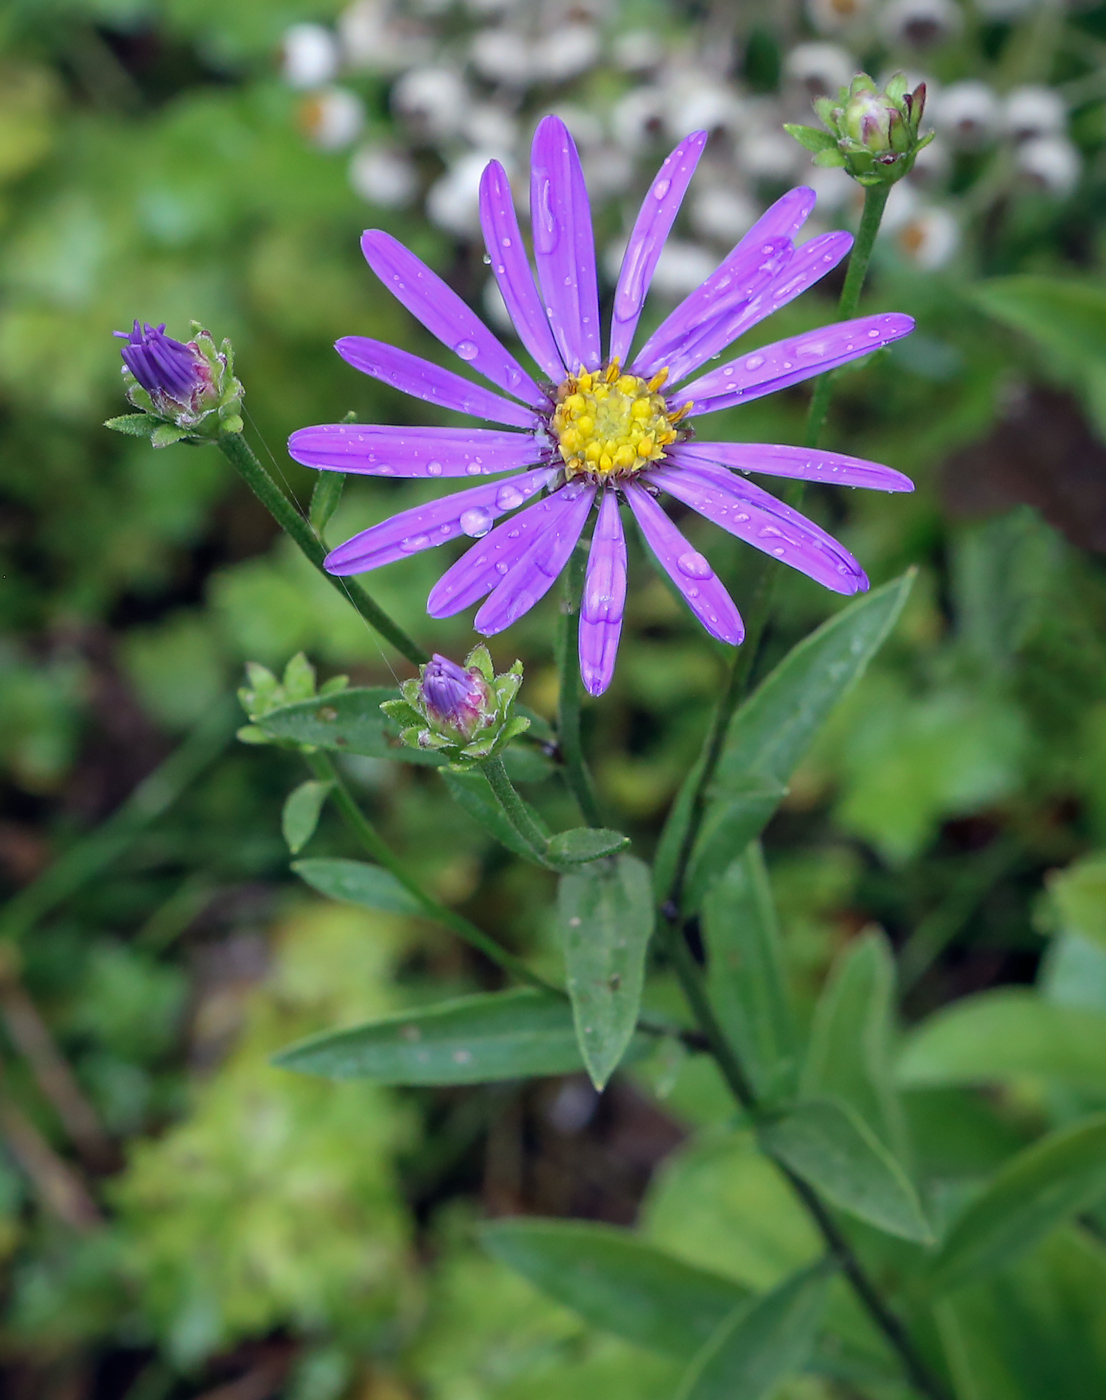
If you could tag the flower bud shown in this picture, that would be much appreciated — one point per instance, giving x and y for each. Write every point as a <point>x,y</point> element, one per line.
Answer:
<point>464,712</point>
<point>182,389</point>
<point>871,132</point>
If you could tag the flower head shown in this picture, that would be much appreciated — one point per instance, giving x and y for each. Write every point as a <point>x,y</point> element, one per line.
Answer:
<point>594,430</point>
<point>873,132</point>
<point>465,712</point>
<point>183,389</point>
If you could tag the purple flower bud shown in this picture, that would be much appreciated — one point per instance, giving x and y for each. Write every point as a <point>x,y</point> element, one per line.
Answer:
<point>169,370</point>
<point>455,700</point>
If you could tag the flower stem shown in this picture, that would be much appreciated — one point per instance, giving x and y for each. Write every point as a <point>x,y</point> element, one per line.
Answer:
<point>737,1080</point>
<point>516,810</point>
<point>577,774</point>
<point>324,770</point>
<point>875,200</point>
<point>241,456</point>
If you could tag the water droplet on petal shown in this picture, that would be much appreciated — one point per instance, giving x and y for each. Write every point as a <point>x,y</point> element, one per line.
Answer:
<point>508,498</point>
<point>433,468</point>
<point>486,260</point>
<point>473,469</point>
<point>754,362</point>
<point>693,565</point>
<point>414,543</point>
<point>476,521</point>
<point>467,349</point>
<point>505,241</point>
<point>661,188</point>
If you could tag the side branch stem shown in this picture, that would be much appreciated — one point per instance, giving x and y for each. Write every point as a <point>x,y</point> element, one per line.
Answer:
<point>577,773</point>
<point>242,457</point>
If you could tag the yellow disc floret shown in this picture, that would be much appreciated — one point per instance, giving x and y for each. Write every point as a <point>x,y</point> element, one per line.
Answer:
<point>609,424</point>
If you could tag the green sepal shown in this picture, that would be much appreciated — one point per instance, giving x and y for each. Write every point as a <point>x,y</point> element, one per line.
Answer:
<point>166,434</point>
<point>830,158</point>
<point>134,424</point>
<point>810,137</point>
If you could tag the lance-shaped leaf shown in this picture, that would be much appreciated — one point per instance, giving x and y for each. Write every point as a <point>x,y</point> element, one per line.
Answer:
<point>762,1343</point>
<point>604,918</point>
<point>1032,1193</point>
<point>849,1054</point>
<point>830,1147</point>
<point>350,721</point>
<point>745,974</point>
<point>473,1040</point>
<point>583,844</point>
<point>356,882</point>
<point>772,731</point>
<point>301,813</point>
<point>618,1282</point>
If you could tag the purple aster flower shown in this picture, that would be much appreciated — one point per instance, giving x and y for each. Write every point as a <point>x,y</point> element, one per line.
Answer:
<point>456,700</point>
<point>167,369</point>
<point>599,432</point>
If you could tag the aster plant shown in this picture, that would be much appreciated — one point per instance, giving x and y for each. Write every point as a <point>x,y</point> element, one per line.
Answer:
<point>594,431</point>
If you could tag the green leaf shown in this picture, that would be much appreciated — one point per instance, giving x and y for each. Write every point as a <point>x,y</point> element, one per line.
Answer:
<point>604,919</point>
<point>745,975</point>
<point>133,424</point>
<point>1078,896</point>
<point>773,729</point>
<point>830,1147</point>
<point>472,792</point>
<point>849,1054</point>
<point>324,499</point>
<point>762,1343</point>
<point>812,137</point>
<point>583,844</point>
<point>301,813</point>
<point>618,1282</point>
<point>473,1040</point>
<point>355,882</point>
<point>1032,1193</point>
<point>1007,1034</point>
<point>350,721</point>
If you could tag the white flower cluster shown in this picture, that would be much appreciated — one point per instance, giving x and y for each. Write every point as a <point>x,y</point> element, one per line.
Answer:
<point>466,81</point>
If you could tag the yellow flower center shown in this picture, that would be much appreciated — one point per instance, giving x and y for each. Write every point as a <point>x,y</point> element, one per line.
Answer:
<point>609,424</point>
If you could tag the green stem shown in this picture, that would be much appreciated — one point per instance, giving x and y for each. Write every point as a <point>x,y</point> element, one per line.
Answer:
<point>324,770</point>
<point>737,1080</point>
<point>241,456</point>
<point>577,773</point>
<point>515,810</point>
<point>875,200</point>
<point>88,856</point>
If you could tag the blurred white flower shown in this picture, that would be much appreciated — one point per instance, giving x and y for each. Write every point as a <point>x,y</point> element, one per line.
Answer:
<point>565,54</point>
<point>1050,164</point>
<point>638,119</point>
<point>967,114</point>
<point>723,212</point>
<point>453,201</point>
<point>331,118</point>
<point>383,175</point>
<point>432,101</point>
<point>764,149</point>
<point>695,103</point>
<point>681,268</point>
<point>833,16</point>
<point>1034,111</point>
<point>490,128</point>
<point>309,56</point>
<point>638,51</point>
<point>374,38</point>
<point>834,187</point>
<point>503,56</point>
<point>919,24</point>
<point>820,69</point>
<point>928,238</point>
<point>587,129</point>
<point>608,170</point>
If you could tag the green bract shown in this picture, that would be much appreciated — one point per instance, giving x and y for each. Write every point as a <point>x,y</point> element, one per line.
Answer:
<point>497,726</point>
<point>872,132</point>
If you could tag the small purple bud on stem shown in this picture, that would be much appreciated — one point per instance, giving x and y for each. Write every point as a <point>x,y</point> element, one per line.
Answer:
<point>455,700</point>
<point>167,369</point>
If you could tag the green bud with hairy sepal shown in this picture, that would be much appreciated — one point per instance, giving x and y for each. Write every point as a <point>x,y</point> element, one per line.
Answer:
<point>872,133</point>
<point>185,390</point>
<point>265,693</point>
<point>466,713</point>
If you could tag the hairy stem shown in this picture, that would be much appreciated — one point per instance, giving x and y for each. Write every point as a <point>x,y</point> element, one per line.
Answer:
<point>577,773</point>
<point>366,833</point>
<point>241,456</point>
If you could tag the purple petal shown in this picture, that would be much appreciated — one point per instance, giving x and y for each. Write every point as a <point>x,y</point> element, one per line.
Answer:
<point>564,246</point>
<point>790,361</point>
<point>486,564</point>
<point>735,282</point>
<point>503,240</point>
<point>777,460</point>
<point>810,263</point>
<point>375,449</point>
<point>604,599</point>
<point>653,225</point>
<point>423,380</point>
<point>411,531</point>
<point>781,222</point>
<point>446,316</point>
<point>533,575</point>
<point>764,522</point>
<point>689,571</point>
